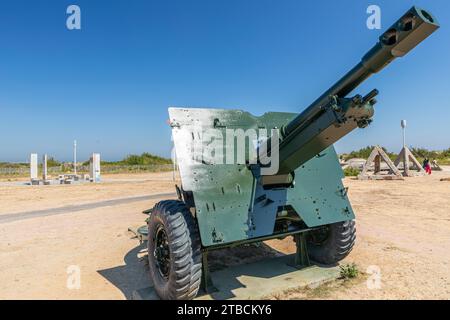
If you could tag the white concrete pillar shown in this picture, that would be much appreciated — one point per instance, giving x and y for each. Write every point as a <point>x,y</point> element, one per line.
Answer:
<point>94,167</point>
<point>44,167</point>
<point>75,157</point>
<point>34,166</point>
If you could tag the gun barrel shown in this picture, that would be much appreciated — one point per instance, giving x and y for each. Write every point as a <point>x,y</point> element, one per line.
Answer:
<point>410,30</point>
<point>333,115</point>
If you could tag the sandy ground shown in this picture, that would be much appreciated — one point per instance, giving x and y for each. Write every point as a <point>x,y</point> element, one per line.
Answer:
<point>403,231</point>
<point>18,198</point>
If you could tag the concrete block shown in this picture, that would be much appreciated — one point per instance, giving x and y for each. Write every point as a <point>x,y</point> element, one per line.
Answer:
<point>145,294</point>
<point>258,280</point>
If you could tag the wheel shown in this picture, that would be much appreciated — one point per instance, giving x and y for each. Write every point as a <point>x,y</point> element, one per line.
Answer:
<point>331,243</point>
<point>174,251</point>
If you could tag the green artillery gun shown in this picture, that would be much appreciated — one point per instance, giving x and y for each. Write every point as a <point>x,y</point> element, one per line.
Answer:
<point>288,183</point>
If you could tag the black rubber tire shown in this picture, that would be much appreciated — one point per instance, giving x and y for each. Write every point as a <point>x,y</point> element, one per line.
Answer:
<point>183,280</point>
<point>337,244</point>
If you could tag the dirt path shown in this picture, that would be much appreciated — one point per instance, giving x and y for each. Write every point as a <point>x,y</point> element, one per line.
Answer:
<point>23,198</point>
<point>81,207</point>
<point>403,230</point>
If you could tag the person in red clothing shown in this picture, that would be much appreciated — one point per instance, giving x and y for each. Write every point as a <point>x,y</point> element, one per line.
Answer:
<point>427,165</point>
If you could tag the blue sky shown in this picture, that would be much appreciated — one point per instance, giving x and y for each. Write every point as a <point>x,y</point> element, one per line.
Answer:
<point>109,84</point>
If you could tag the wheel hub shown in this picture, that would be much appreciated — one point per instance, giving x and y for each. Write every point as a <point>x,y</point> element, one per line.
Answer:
<point>162,252</point>
<point>319,236</point>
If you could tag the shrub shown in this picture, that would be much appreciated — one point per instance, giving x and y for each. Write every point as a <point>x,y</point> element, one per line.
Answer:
<point>351,172</point>
<point>144,159</point>
<point>349,271</point>
<point>364,153</point>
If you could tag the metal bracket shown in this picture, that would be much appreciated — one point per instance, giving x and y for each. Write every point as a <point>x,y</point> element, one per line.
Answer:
<point>206,284</point>
<point>148,211</point>
<point>301,258</point>
<point>140,233</point>
<point>179,194</point>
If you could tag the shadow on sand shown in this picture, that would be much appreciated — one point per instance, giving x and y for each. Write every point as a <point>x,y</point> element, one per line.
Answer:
<point>133,275</point>
<point>261,265</point>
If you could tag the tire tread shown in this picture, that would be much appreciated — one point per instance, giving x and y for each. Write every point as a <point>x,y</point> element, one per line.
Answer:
<point>185,249</point>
